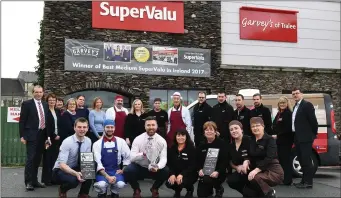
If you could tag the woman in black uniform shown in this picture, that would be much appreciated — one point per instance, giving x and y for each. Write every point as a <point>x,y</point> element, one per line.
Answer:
<point>214,178</point>
<point>285,137</point>
<point>181,164</point>
<point>266,172</point>
<point>238,156</point>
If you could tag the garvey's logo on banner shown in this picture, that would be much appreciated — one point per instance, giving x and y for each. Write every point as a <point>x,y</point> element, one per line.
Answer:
<point>143,16</point>
<point>85,51</point>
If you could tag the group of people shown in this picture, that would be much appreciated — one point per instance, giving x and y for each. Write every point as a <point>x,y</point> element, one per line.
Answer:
<point>253,151</point>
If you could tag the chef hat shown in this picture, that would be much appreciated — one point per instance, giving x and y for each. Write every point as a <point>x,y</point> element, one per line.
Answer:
<point>109,122</point>
<point>176,94</point>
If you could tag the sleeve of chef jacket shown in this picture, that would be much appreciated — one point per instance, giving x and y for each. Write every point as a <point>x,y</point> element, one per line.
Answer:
<point>186,116</point>
<point>96,148</point>
<point>169,113</point>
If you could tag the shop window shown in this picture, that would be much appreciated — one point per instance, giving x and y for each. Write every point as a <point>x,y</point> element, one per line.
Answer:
<point>188,96</point>
<point>108,98</point>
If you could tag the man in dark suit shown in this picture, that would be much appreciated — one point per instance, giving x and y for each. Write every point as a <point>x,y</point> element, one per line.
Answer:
<point>305,126</point>
<point>33,134</point>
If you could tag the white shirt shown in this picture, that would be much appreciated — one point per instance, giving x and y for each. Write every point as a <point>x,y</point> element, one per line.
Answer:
<point>123,151</point>
<point>294,115</point>
<point>42,108</point>
<point>139,148</point>
<point>186,118</point>
<point>111,114</point>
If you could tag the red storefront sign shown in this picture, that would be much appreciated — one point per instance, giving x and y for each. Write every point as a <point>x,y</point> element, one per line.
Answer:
<point>139,15</point>
<point>268,24</point>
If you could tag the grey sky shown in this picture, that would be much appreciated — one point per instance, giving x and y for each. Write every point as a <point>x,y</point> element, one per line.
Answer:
<point>19,34</point>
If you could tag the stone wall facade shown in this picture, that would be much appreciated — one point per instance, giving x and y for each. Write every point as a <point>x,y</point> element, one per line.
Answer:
<point>73,20</point>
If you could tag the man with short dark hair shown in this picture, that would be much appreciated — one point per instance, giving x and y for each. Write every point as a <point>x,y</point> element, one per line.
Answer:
<point>161,117</point>
<point>243,114</point>
<point>262,111</point>
<point>32,130</point>
<point>148,158</point>
<point>201,114</point>
<point>222,115</point>
<point>305,128</point>
<point>66,171</point>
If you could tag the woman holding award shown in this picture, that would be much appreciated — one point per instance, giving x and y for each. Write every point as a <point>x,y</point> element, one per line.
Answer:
<point>181,164</point>
<point>211,162</point>
<point>238,156</point>
<point>266,172</point>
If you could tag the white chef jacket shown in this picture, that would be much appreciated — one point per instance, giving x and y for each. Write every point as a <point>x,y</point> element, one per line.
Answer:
<point>122,151</point>
<point>111,114</point>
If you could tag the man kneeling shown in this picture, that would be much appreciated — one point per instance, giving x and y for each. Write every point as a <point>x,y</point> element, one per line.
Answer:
<point>108,152</point>
<point>149,157</point>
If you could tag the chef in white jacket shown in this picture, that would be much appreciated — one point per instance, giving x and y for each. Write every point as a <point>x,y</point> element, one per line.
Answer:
<point>179,117</point>
<point>109,152</point>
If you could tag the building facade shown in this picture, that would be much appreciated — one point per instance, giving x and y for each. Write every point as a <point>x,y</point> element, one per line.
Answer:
<point>236,64</point>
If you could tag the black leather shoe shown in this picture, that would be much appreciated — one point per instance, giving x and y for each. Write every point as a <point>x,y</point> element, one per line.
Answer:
<point>39,185</point>
<point>219,192</point>
<point>304,186</point>
<point>102,195</point>
<point>189,194</point>
<point>29,187</point>
<point>177,194</point>
<point>271,194</point>
<point>113,195</point>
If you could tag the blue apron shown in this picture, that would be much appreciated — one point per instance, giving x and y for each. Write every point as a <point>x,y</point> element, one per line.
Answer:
<point>109,162</point>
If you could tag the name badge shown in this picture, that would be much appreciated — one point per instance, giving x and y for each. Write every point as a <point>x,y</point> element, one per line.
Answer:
<point>203,150</point>
<point>185,154</point>
<point>280,119</point>
<point>223,111</point>
<point>261,146</point>
<point>260,115</point>
<point>243,151</point>
<point>109,150</point>
<point>162,116</point>
<point>200,111</point>
<point>185,158</point>
<point>245,154</point>
<point>241,117</point>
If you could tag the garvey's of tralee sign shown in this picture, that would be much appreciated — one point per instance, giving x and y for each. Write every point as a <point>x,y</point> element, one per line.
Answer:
<point>96,56</point>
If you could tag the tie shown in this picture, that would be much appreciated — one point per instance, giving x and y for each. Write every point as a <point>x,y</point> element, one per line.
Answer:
<point>42,119</point>
<point>79,154</point>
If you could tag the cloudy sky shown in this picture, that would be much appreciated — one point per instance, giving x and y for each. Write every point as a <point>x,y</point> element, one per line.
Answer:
<point>19,34</point>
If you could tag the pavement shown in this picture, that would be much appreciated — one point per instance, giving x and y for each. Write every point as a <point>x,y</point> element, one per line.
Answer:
<point>326,184</point>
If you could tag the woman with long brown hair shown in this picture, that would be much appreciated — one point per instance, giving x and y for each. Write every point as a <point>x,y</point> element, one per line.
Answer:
<point>96,120</point>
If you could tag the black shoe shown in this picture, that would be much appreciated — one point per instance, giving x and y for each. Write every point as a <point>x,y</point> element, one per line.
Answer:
<point>29,187</point>
<point>113,195</point>
<point>102,195</point>
<point>219,192</point>
<point>304,185</point>
<point>189,194</point>
<point>271,194</point>
<point>39,185</point>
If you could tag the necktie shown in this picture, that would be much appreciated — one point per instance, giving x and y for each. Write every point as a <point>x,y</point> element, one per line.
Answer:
<point>42,118</point>
<point>79,154</point>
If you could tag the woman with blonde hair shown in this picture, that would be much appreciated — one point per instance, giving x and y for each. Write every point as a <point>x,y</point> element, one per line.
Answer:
<point>284,136</point>
<point>134,124</point>
<point>96,120</point>
<point>68,119</point>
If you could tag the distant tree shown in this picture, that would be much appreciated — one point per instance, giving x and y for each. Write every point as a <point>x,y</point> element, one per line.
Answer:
<point>39,69</point>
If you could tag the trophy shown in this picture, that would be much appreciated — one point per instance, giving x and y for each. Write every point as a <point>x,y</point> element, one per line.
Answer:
<point>211,161</point>
<point>153,152</point>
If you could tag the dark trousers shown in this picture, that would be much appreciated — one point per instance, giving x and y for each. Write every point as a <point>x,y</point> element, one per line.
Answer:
<point>50,156</point>
<point>34,152</point>
<point>134,172</point>
<point>187,182</point>
<point>284,157</point>
<point>207,183</point>
<point>237,181</point>
<point>304,152</point>
<point>68,182</point>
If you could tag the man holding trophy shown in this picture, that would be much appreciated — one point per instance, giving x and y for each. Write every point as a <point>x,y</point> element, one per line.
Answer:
<point>109,151</point>
<point>148,159</point>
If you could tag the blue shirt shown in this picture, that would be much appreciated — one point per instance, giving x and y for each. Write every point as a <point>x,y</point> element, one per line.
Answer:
<point>96,120</point>
<point>68,152</point>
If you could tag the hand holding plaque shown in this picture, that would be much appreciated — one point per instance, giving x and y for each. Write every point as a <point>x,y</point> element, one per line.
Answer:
<point>88,166</point>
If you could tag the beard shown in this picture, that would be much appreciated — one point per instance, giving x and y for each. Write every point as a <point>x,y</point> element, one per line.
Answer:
<point>109,135</point>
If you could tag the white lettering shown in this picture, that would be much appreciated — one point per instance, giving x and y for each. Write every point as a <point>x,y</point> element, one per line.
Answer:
<point>150,11</point>
<point>264,24</point>
<point>82,65</point>
<point>201,58</point>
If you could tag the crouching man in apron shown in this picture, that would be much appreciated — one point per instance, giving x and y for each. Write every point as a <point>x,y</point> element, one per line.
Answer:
<point>109,151</point>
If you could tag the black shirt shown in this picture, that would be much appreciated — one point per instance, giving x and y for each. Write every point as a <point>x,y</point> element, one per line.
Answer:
<point>222,115</point>
<point>282,127</point>
<point>201,114</point>
<point>181,162</point>
<point>134,126</point>
<point>265,114</point>
<point>237,157</point>
<point>161,117</point>
<point>244,117</point>
<point>222,156</point>
<point>263,152</point>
